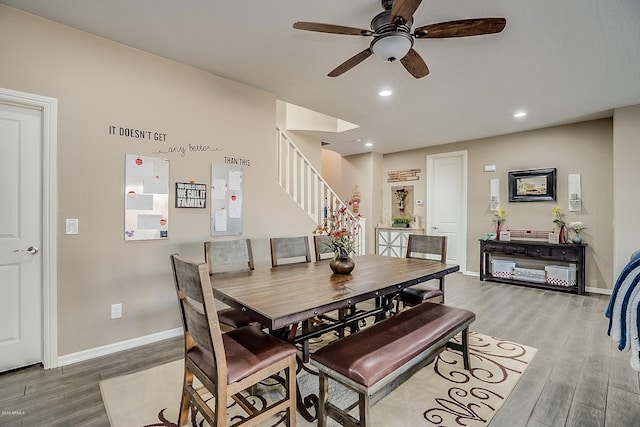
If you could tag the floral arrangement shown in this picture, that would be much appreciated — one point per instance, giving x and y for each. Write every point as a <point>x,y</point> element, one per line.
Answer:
<point>577,226</point>
<point>557,212</point>
<point>500,216</point>
<point>342,227</point>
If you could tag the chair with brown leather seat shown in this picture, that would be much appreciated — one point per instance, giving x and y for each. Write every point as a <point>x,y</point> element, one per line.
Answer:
<point>322,249</point>
<point>289,250</point>
<point>230,255</point>
<point>226,364</point>
<point>425,247</point>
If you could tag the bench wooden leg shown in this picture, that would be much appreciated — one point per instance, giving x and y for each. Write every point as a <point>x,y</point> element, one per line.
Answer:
<point>322,399</point>
<point>365,415</point>
<point>465,348</point>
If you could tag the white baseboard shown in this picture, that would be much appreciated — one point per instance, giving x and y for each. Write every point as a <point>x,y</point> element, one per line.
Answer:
<point>598,291</point>
<point>471,273</point>
<point>80,356</point>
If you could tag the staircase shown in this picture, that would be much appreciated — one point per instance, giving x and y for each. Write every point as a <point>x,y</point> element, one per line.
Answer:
<point>306,186</point>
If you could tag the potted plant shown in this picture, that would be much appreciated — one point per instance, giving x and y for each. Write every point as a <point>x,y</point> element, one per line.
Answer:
<point>342,227</point>
<point>400,222</point>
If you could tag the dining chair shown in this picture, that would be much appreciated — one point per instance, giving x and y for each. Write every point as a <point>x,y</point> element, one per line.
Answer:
<point>227,364</point>
<point>425,247</point>
<point>322,250</point>
<point>230,255</point>
<point>289,250</point>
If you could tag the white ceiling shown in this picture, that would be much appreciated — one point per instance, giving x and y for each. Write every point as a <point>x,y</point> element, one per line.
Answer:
<point>561,61</point>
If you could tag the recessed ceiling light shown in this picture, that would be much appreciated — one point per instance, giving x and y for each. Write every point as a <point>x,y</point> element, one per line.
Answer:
<point>385,92</point>
<point>519,114</point>
<point>368,144</point>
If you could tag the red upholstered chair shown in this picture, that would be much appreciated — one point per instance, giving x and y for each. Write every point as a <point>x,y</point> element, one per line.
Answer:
<point>426,247</point>
<point>226,364</point>
<point>230,255</point>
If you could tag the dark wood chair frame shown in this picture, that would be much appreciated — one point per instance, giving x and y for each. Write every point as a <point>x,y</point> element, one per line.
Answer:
<point>294,249</point>
<point>201,328</point>
<point>225,256</point>
<point>421,246</point>
<point>322,250</point>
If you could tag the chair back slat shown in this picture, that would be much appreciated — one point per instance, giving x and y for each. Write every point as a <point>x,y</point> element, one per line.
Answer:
<point>430,247</point>
<point>289,250</point>
<point>197,306</point>
<point>323,250</point>
<point>229,255</point>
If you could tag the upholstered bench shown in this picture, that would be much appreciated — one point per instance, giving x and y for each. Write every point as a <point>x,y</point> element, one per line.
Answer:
<point>382,356</point>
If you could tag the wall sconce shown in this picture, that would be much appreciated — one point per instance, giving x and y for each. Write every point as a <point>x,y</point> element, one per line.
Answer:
<point>494,194</point>
<point>401,194</point>
<point>575,192</point>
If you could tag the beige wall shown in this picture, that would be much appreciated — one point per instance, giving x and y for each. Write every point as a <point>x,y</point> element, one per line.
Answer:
<point>585,148</point>
<point>363,170</point>
<point>99,83</point>
<point>626,176</point>
<point>307,142</point>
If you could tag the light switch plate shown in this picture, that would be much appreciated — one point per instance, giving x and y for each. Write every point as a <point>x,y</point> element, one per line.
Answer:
<point>72,226</point>
<point>116,311</point>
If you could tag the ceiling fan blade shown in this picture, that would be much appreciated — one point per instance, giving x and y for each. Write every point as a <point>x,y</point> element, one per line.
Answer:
<point>404,9</point>
<point>350,63</point>
<point>461,28</point>
<point>414,64</point>
<point>332,29</point>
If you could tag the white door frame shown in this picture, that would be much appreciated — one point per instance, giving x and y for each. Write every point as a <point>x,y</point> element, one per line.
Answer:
<point>463,202</point>
<point>49,108</point>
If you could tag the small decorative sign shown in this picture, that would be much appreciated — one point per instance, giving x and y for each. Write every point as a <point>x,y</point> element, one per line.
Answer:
<point>403,175</point>
<point>191,195</point>
<point>505,236</point>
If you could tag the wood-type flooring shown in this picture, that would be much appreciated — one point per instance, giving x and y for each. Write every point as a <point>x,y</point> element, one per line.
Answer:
<point>577,379</point>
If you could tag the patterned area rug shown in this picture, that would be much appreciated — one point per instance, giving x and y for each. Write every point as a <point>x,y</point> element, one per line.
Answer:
<point>441,394</point>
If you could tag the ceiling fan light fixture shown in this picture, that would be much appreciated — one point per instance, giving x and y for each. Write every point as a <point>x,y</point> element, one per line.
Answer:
<point>392,47</point>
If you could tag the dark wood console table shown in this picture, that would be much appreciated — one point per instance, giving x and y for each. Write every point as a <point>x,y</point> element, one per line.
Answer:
<point>527,250</point>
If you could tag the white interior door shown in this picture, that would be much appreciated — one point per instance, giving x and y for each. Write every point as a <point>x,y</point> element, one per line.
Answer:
<point>21,339</point>
<point>447,203</point>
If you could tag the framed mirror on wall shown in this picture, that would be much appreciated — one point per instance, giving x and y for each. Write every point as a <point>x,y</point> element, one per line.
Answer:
<point>533,185</point>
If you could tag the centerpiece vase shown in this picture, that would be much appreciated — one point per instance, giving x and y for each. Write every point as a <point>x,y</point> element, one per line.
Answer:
<point>498,226</point>
<point>577,239</point>
<point>342,265</point>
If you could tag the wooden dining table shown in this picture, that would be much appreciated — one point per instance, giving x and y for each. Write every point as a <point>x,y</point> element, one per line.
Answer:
<point>286,295</point>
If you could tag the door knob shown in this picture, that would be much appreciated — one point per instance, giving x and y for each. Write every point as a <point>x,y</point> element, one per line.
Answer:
<point>31,249</point>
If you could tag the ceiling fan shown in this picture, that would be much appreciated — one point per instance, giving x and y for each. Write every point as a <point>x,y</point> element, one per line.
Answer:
<point>393,39</point>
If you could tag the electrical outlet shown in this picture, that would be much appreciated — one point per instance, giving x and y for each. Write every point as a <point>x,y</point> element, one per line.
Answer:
<point>116,311</point>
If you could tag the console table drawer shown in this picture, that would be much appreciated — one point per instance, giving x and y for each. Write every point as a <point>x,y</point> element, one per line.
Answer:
<point>490,247</point>
<point>538,251</point>
<point>515,249</point>
<point>565,254</point>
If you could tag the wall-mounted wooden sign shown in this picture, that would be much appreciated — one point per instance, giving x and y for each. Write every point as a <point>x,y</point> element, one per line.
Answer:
<point>404,175</point>
<point>191,195</point>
